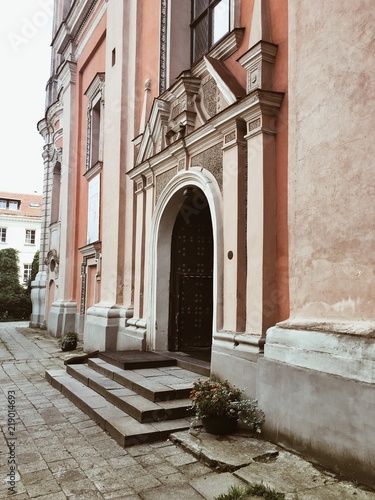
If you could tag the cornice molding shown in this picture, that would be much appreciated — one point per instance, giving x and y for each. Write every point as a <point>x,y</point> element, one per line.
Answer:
<point>73,25</point>
<point>68,74</point>
<point>259,103</point>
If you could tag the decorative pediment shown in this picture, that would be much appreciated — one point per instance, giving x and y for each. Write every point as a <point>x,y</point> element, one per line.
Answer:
<point>153,139</point>
<point>188,104</point>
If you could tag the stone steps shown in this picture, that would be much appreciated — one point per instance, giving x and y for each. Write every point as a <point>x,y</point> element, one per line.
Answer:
<point>122,395</point>
<point>134,406</point>
<point>155,384</point>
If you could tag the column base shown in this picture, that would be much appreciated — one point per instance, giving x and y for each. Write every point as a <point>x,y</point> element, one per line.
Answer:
<point>234,357</point>
<point>101,327</point>
<point>317,389</point>
<point>62,318</point>
<point>132,337</point>
<point>38,300</point>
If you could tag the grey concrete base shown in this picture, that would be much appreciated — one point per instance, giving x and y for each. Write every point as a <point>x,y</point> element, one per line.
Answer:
<point>235,359</point>
<point>132,337</point>
<point>327,418</point>
<point>62,318</point>
<point>101,328</point>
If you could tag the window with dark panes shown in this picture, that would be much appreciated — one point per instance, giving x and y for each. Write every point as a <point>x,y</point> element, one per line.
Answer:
<point>210,23</point>
<point>30,237</point>
<point>26,272</point>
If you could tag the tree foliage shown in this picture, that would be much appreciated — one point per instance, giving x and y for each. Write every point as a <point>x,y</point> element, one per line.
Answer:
<point>15,303</point>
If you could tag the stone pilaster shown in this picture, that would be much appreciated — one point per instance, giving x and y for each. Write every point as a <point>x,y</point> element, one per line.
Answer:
<point>261,295</point>
<point>234,223</point>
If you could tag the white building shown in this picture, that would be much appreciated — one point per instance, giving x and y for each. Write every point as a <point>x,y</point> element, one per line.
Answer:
<point>20,224</point>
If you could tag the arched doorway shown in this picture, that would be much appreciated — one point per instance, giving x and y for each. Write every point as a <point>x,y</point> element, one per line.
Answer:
<point>191,275</point>
<point>173,201</point>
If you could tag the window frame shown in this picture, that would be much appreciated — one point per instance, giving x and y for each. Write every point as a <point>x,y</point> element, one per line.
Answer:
<point>95,122</point>
<point>28,268</point>
<point>5,204</point>
<point>32,236</point>
<point>3,234</point>
<point>207,12</point>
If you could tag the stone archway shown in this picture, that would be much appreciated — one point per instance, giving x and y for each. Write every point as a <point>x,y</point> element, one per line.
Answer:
<point>159,264</point>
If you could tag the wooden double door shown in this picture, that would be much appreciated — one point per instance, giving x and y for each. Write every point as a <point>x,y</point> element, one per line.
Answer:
<point>191,286</point>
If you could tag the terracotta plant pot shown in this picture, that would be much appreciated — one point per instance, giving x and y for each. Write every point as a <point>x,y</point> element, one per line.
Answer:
<point>220,425</point>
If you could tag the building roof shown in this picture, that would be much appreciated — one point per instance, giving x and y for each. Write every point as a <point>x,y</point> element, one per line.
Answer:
<point>30,205</point>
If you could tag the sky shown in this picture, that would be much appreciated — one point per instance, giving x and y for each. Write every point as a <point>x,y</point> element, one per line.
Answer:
<point>26,34</point>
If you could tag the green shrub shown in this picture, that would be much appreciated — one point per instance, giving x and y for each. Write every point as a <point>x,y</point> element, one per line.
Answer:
<point>254,489</point>
<point>15,302</point>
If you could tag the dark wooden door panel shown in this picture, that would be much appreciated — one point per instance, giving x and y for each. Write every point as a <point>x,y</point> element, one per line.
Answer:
<point>191,280</point>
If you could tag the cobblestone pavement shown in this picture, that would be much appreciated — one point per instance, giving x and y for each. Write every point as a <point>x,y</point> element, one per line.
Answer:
<point>51,450</point>
<point>59,451</point>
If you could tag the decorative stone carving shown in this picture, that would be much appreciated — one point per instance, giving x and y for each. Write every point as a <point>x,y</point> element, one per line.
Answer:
<point>259,59</point>
<point>254,124</point>
<point>149,181</point>
<point>52,261</point>
<point>230,137</point>
<point>183,112</point>
<point>181,164</point>
<point>212,160</point>
<point>210,96</point>
<point>163,179</point>
<point>163,46</point>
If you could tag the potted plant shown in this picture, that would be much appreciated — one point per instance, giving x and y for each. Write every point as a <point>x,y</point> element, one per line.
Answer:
<point>68,342</point>
<point>221,406</point>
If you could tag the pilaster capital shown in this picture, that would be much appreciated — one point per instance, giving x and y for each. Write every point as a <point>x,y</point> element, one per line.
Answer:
<point>262,113</point>
<point>68,74</point>
<point>258,62</point>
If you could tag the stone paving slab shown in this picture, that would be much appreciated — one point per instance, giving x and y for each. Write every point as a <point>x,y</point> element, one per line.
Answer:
<point>293,475</point>
<point>213,485</point>
<point>345,491</point>
<point>185,492</point>
<point>285,473</point>
<point>226,452</point>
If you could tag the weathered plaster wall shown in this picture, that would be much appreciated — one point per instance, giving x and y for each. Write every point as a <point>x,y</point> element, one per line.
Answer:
<point>331,169</point>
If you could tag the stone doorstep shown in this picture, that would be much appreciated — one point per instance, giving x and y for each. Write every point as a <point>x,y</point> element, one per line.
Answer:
<point>125,429</point>
<point>127,400</point>
<point>157,385</point>
<point>132,360</point>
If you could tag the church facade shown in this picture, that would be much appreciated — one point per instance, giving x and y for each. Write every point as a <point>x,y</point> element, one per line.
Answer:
<point>208,189</point>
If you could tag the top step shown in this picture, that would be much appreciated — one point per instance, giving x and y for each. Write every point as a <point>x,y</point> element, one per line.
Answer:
<point>135,360</point>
